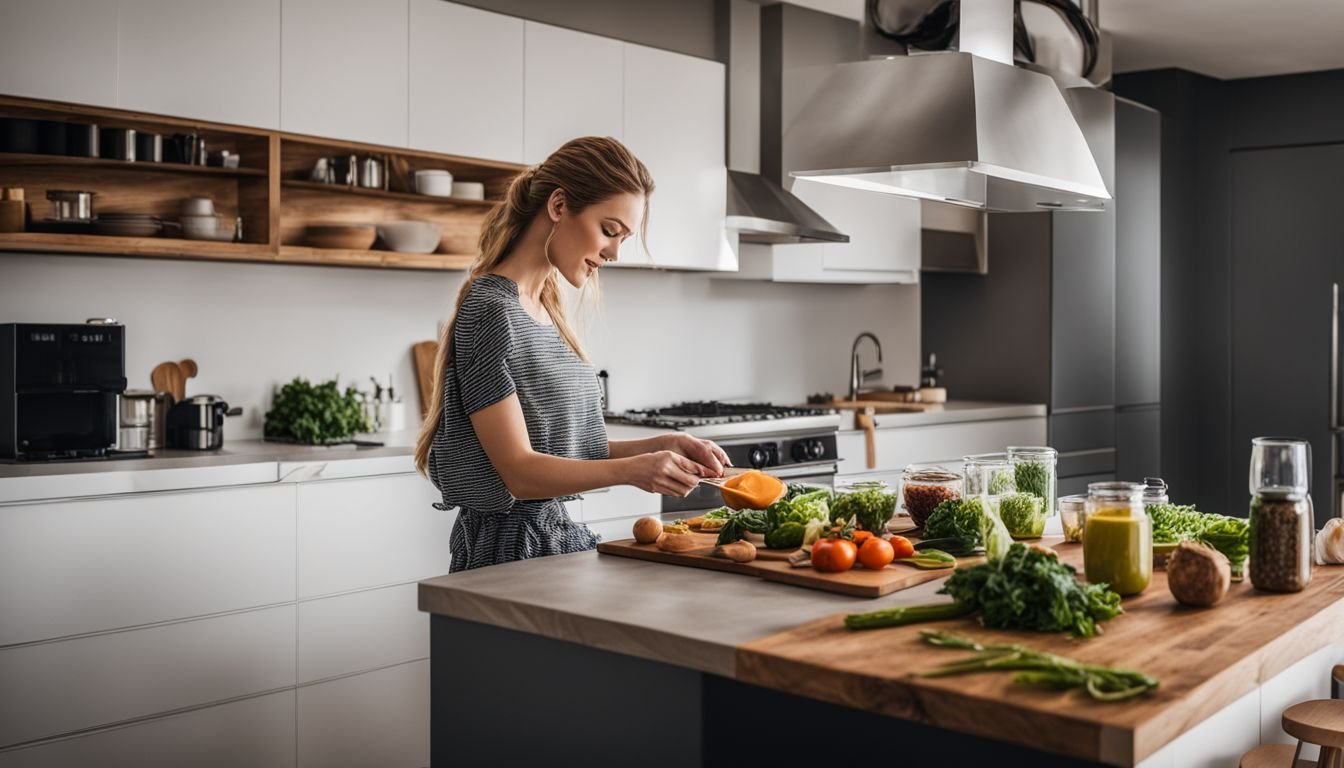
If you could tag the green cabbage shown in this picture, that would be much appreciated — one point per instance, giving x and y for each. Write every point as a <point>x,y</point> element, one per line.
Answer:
<point>868,503</point>
<point>955,518</point>
<point>786,520</point>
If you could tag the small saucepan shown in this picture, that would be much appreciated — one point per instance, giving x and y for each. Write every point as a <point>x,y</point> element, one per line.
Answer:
<point>197,423</point>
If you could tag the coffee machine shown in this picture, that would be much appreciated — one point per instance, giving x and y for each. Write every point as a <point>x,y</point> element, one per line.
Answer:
<point>59,386</point>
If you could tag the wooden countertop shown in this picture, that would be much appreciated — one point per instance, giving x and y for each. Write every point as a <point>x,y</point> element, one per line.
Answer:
<point>792,639</point>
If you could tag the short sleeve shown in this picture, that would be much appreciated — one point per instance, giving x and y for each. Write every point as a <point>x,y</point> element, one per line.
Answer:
<point>482,341</point>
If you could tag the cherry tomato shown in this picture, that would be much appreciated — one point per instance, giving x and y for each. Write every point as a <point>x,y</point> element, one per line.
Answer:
<point>834,555</point>
<point>860,537</point>
<point>902,546</point>
<point>876,553</point>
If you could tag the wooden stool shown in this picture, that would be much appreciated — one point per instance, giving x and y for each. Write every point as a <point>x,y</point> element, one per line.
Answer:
<point>1318,722</point>
<point>1272,756</point>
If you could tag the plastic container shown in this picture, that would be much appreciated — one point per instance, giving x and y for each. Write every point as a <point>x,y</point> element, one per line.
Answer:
<point>924,488</point>
<point>1071,516</point>
<point>1281,521</point>
<point>1118,537</point>
<point>1035,471</point>
<point>989,474</point>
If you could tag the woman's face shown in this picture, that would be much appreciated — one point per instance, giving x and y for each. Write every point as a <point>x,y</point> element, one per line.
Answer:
<point>586,240</point>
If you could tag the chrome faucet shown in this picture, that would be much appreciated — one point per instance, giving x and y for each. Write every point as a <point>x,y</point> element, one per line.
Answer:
<point>857,375</point>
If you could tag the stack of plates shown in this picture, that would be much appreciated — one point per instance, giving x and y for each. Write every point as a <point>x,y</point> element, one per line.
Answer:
<point>128,224</point>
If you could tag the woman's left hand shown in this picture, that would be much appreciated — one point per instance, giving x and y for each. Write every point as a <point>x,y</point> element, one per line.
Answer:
<point>703,452</point>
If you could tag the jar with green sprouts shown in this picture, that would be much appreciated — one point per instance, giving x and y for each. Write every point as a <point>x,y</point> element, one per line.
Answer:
<point>1035,472</point>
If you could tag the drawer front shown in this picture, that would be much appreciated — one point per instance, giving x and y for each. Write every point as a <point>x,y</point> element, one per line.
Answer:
<point>1083,430</point>
<point>620,501</point>
<point>898,447</point>
<point>360,631</point>
<point>370,532</point>
<point>378,718</point>
<point>80,484</point>
<point>1097,462</point>
<point>49,689</point>
<point>72,567</point>
<point>257,732</point>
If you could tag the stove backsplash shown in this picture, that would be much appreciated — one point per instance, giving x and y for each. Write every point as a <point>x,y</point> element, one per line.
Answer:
<point>664,337</point>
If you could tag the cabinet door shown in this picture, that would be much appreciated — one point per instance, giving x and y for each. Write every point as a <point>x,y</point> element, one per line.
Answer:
<point>64,50</point>
<point>338,726</point>
<point>466,81</point>
<point>883,231</point>
<point>1138,254</point>
<point>343,69</point>
<point>1138,442</point>
<point>360,631</point>
<point>201,59</point>
<point>572,86</point>
<point>674,123</point>
<point>1082,321</point>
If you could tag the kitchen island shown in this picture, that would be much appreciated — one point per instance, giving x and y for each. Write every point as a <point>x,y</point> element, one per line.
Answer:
<point>634,661</point>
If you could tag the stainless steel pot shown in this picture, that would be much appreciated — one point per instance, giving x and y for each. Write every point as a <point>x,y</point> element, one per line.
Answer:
<point>133,438</point>
<point>371,173</point>
<point>137,408</point>
<point>197,423</point>
<point>71,204</point>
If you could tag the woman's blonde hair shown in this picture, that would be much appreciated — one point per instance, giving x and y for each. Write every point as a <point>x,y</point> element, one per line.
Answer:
<point>587,170</point>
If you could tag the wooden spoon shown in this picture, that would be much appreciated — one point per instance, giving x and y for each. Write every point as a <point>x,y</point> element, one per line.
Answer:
<point>163,376</point>
<point>189,371</point>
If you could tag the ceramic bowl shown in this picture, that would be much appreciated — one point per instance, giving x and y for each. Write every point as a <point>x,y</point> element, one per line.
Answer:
<point>409,236</point>
<point>199,227</point>
<point>197,206</point>
<point>357,237</point>
<point>434,183</point>
<point>469,190</point>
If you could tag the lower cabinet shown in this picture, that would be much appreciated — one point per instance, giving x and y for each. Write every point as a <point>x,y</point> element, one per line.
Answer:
<point>360,631</point>
<point>379,718</point>
<point>897,447</point>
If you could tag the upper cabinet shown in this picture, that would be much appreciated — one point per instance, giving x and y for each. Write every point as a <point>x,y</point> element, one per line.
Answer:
<point>63,50</point>
<point>344,69</point>
<point>201,59</point>
<point>466,81</point>
<point>674,123</point>
<point>572,86</point>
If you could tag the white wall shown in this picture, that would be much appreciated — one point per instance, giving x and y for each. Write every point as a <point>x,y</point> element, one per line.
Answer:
<point>662,336</point>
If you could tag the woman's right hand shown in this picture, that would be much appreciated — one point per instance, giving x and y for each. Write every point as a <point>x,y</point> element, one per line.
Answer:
<point>665,472</point>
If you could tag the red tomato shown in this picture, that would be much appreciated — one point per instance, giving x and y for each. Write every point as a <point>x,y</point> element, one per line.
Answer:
<point>834,555</point>
<point>860,537</point>
<point>876,554</point>
<point>902,546</point>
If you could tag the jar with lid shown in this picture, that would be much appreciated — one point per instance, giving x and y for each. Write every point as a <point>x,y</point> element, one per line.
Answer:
<point>1118,537</point>
<point>1281,521</point>
<point>989,474</point>
<point>1155,491</point>
<point>1035,472</point>
<point>924,488</point>
<point>1071,516</point>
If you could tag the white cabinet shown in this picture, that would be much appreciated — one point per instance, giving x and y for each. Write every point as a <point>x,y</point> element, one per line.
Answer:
<point>378,718</point>
<point>72,567</point>
<point>883,247</point>
<point>572,86</point>
<point>674,123</point>
<point>466,81</point>
<point>64,50</point>
<point>48,689</point>
<point>201,59</point>
<point>256,732</point>
<point>940,443</point>
<point>619,501</point>
<point>361,631</point>
<point>370,532</point>
<point>343,69</point>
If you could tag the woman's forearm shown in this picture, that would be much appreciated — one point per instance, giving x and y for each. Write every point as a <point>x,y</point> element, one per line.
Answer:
<point>543,476</point>
<point>623,449</point>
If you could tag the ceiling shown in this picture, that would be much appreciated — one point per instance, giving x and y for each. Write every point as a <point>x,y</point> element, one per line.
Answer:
<point>1226,38</point>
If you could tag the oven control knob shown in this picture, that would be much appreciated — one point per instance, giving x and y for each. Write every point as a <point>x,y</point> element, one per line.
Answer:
<point>759,456</point>
<point>809,450</point>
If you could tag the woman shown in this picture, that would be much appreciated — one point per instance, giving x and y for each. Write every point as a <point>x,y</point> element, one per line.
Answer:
<point>516,424</point>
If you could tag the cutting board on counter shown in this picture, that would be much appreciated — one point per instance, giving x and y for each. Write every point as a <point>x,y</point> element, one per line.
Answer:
<point>858,582</point>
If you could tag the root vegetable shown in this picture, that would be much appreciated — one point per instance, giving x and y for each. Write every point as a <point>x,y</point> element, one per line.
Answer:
<point>677,542</point>
<point>648,529</point>
<point>1198,574</point>
<point>740,551</point>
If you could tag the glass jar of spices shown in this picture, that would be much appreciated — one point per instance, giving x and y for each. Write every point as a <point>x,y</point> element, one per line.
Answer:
<point>1281,521</point>
<point>1117,537</point>
<point>924,488</point>
<point>1035,472</point>
<point>989,474</point>
<point>1071,516</point>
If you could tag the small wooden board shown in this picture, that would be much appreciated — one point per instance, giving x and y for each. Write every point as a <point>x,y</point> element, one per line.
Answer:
<point>772,565</point>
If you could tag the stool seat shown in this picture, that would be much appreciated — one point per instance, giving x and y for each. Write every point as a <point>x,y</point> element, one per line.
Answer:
<point>1272,756</point>
<point>1316,722</point>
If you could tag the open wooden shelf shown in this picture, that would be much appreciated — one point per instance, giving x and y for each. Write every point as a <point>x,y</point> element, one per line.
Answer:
<point>410,197</point>
<point>270,194</point>
<point>40,161</point>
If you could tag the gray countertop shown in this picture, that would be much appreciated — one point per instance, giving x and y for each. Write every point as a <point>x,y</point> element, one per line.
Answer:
<point>955,411</point>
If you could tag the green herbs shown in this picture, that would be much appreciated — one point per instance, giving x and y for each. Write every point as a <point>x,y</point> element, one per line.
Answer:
<point>955,518</point>
<point>1038,668</point>
<point>868,503</point>
<point>1023,514</point>
<point>906,614</point>
<point>316,414</point>
<point>738,523</point>
<point>1032,477</point>
<point>786,520</point>
<point>1231,536</point>
<point>1175,522</point>
<point>1029,589</point>
<point>1001,481</point>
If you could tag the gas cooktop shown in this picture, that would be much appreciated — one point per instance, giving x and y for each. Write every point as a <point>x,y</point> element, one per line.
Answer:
<point>709,418</point>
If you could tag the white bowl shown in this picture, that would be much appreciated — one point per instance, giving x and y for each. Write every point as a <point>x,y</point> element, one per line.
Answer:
<point>409,236</point>
<point>197,206</point>
<point>469,190</point>
<point>434,183</point>
<point>199,227</point>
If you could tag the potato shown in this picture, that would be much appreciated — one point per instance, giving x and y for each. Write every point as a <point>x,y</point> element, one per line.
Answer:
<point>677,542</point>
<point>1198,574</point>
<point>739,551</point>
<point>648,529</point>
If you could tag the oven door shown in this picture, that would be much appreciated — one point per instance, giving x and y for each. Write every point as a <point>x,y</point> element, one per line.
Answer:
<point>707,497</point>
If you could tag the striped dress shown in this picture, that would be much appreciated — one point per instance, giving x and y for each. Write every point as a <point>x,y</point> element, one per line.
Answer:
<point>499,350</point>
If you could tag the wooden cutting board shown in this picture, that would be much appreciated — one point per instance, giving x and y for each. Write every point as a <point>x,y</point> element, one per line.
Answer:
<point>858,582</point>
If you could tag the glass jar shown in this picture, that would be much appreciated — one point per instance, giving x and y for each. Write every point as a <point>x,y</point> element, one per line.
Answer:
<point>924,488</point>
<point>1071,516</point>
<point>1117,537</point>
<point>1281,521</point>
<point>989,474</point>
<point>1034,472</point>
<point>1155,491</point>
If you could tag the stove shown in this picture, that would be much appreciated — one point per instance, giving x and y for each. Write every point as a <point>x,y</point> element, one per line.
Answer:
<point>796,444</point>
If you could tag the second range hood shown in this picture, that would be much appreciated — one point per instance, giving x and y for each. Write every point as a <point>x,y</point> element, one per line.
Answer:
<point>954,127</point>
<point>764,212</point>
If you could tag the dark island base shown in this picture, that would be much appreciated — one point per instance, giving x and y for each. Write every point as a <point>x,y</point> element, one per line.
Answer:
<point>507,698</point>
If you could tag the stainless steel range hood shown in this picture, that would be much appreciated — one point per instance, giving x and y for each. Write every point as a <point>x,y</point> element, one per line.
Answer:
<point>763,212</point>
<point>955,127</point>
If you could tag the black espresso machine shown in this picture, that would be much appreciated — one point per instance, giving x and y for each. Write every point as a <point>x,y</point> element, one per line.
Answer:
<point>58,389</point>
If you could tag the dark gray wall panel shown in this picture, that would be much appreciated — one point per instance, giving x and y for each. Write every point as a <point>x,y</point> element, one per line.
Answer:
<point>1138,255</point>
<point>1072,485</point>
<point>1083,310</point>
<point>1138,451</point>
<point>1079,463</point>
